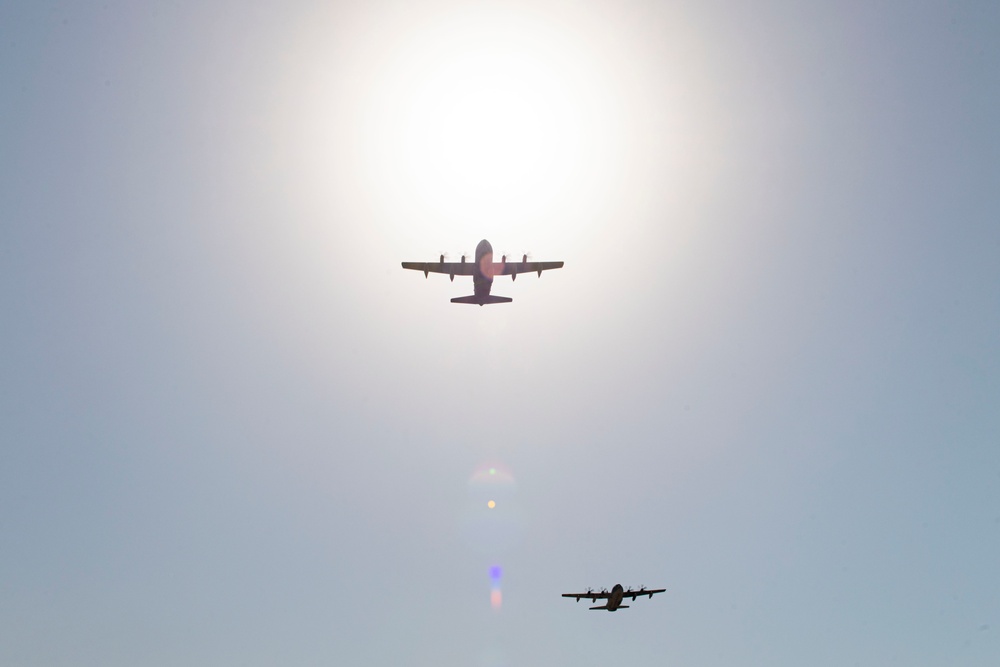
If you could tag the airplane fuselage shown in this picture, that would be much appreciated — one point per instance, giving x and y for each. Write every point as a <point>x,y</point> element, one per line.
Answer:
<point>615,599</point>
<point>482,275</point>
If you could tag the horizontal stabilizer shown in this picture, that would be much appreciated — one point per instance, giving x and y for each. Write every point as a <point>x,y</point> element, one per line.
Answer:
<point>482,300</point>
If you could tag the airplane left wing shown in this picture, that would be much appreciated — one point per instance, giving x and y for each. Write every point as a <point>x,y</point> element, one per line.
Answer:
<point>592,595</point>
<point>450,268</point>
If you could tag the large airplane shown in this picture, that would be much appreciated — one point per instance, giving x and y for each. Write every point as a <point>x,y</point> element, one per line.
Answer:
<point>482,272</point>
<point>615,597</point>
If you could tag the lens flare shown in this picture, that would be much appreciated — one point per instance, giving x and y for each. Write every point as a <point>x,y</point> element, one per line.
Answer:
<point>496,596</point>
<point>492,476</point>
<point>492,532</point>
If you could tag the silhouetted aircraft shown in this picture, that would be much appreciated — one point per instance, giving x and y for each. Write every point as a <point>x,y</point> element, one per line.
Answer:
<point>615,597</point>
<point>482,272</point>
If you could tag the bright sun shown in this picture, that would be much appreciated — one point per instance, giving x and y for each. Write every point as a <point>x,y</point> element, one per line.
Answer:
<point>488,124</point>
<point>488,113</point>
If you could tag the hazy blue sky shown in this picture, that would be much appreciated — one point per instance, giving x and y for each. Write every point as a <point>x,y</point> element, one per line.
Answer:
<point>233,431</point>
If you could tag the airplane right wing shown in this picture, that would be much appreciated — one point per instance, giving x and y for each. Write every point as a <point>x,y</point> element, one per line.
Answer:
<point>514,268</point>
<point>642,591</point>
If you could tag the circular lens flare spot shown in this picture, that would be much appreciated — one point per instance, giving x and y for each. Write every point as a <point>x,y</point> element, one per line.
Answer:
<point>496,598</point>
<point>492,531</point>
<point>492,476</point>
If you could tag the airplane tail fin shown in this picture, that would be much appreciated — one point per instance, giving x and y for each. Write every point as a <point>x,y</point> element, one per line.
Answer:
<point>621,606</point>
<point>482,300</point>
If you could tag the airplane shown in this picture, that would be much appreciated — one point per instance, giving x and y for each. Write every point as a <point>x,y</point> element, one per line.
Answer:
<point>615,597</point>
<point>482,272</point>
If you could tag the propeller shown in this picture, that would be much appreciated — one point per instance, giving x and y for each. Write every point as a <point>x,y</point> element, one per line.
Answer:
<point>524,260</point>
<point>451,276</point>
<point>513,274</point>
<point>633,591</point>
<point>513,260</point>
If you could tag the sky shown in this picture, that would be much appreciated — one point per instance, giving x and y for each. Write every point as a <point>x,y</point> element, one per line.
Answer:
<point>234,431</point>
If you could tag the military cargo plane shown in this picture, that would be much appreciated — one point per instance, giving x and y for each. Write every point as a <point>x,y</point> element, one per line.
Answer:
<point>482,270</point>
<point>615,596</point>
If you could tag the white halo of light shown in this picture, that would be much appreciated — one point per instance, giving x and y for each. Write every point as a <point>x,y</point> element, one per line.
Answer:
<point>489,114</point>
<point>488,126</point>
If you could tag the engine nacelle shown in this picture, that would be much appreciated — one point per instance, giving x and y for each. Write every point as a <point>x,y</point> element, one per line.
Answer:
<point>452,277</point>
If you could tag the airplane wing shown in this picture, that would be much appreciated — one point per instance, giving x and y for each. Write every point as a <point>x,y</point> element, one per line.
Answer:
<point>592,595</point>
<point>514,268</point>
<point>642,591</point>
<point>450,268</point>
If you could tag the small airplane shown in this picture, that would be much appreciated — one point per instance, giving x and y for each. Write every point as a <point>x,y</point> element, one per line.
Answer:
<point>482,272</point>
<point>615,597</point>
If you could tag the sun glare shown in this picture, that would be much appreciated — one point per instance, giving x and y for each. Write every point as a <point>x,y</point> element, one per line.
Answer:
<point>488,125</point>
<point>487,113</point>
